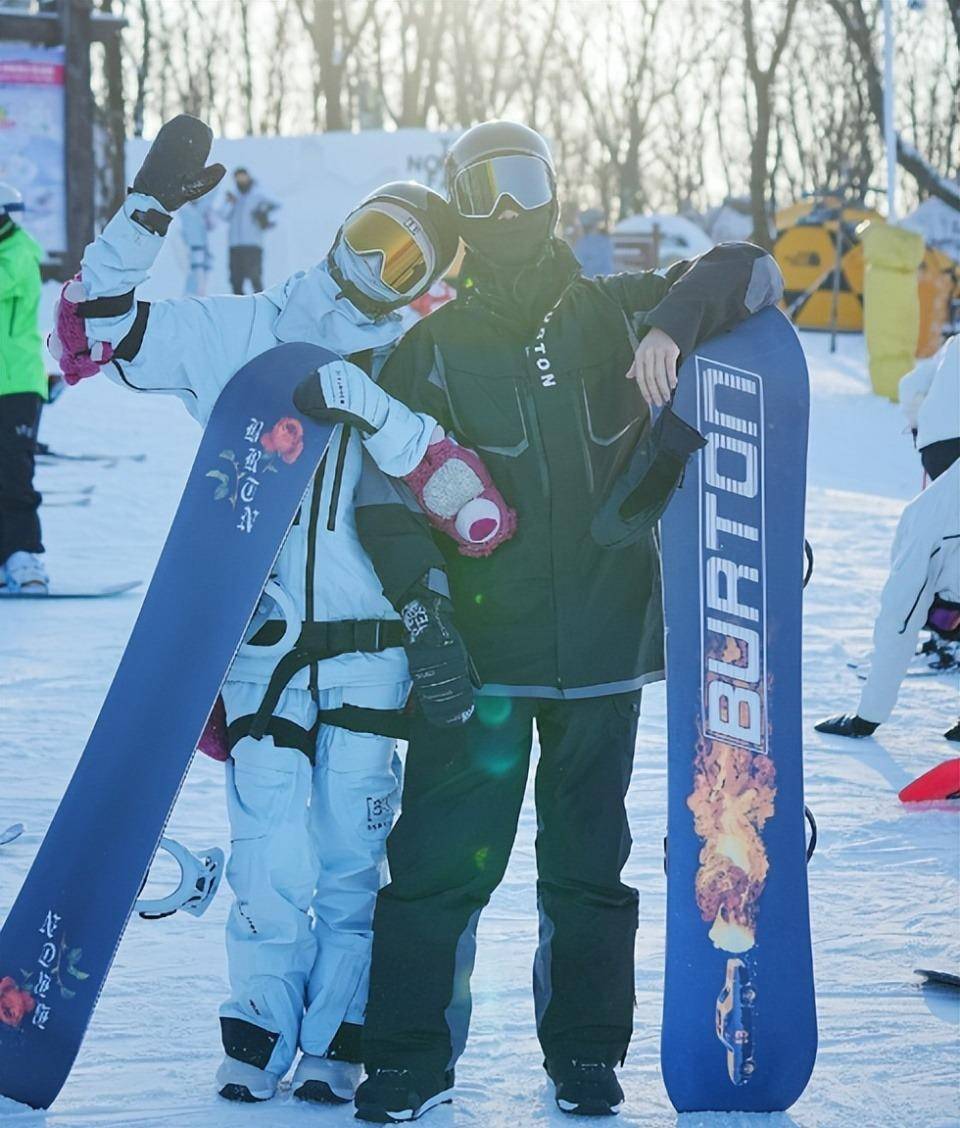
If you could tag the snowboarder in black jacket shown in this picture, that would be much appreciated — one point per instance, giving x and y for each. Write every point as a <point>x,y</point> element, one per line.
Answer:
<point>551,377</point>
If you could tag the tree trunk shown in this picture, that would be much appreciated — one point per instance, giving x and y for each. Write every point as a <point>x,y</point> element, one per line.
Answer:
<point>759,177</point>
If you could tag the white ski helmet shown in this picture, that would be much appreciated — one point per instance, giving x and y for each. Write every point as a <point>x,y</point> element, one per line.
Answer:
<point>11,199</point>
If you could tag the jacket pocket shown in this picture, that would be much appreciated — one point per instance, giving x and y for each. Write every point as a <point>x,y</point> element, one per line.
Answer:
<point>612,406</point>
<point>487,413</point>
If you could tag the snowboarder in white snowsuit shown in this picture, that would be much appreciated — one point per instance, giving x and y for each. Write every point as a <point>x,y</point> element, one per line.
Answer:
<point>923,589</point>
<point>196,221</point>
<point>310,805</point>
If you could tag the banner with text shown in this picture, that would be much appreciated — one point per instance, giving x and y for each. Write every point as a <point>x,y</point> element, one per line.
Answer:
<point>32,138</point>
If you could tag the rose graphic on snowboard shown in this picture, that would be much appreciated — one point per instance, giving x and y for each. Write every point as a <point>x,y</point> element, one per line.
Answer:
<point>283,441</point>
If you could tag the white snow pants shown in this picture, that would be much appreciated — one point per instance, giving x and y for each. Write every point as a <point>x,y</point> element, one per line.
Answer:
<point>306,862</point>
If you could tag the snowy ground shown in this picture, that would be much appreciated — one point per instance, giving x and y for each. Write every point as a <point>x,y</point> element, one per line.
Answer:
<point>884,880</point>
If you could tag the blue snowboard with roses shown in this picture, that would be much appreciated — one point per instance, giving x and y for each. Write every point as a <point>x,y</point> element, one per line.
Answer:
<point>255,462</point>
<point>739,1014</point>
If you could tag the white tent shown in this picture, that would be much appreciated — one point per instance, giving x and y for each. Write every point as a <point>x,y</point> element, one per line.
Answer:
<point>939,224</point>
<point>676,238</point>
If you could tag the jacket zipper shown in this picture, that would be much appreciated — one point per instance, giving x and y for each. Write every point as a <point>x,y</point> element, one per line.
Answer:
<point>311,560</point>
<point>13,315</point>
<point>536,438</point>
<point>338,480</point>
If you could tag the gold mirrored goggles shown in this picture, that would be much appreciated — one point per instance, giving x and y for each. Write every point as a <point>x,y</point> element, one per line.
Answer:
<point>403,262</point>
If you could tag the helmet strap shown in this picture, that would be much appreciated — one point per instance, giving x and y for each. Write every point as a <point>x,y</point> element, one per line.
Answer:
<point>354,295</point>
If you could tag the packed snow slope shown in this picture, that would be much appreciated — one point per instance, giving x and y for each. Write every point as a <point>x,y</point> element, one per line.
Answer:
<point>883,882</point>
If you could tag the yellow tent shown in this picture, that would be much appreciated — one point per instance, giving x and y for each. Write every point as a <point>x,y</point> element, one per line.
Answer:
<point>806,250</point>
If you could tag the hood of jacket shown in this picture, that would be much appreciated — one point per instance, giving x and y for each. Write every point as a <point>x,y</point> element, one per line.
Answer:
<point>312,309</point>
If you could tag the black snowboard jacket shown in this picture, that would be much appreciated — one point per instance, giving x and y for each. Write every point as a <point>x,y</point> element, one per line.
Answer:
<point>529,371</point>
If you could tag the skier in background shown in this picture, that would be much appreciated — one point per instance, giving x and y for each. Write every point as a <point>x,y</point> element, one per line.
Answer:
<point>594,248</point>
<point>930,398</point>
<point>529,366</point>
<point>248,212</point>
<point>23,390</point>
<point>196,222</point>
<point>922,590</point>
<point>310,805</point>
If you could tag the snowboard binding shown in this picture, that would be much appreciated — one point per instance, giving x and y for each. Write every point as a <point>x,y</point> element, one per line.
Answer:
<point>199,881</point>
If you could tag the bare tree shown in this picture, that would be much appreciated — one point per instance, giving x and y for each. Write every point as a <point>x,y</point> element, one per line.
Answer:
<point>276,79</point>
<point>247,76</point>
<point>143,68</point>
<point>860,28</point>
<point>762,80</point>
<point>622,87</point>
<point>335,28</point>
<point>409,38</point>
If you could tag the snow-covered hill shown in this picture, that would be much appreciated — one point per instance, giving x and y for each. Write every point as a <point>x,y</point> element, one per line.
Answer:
<point>884,880</point>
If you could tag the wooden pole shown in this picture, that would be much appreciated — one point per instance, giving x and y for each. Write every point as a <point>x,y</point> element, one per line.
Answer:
<point>78,139</point>
<point>114,118</point>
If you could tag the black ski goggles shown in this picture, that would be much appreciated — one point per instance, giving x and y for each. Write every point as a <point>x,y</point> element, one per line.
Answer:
<point>479,188</point>
<point>405,254</point>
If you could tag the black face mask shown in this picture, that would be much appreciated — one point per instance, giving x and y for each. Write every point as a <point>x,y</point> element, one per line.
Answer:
<point>510,242</point>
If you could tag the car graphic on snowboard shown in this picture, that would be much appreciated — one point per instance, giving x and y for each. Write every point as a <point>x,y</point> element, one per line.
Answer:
<point>735,1021</point>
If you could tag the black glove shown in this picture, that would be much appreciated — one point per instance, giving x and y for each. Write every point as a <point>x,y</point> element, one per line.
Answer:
<point>954,733</point>
<point>847,724</point>
<point>174,170</point>
<point>438,660</point>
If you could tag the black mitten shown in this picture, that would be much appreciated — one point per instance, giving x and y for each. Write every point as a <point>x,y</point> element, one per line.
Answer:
<point>175,169</point>
<point>439,665</point>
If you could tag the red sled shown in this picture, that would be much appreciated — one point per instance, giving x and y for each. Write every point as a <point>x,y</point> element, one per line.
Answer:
<point>941,782</point>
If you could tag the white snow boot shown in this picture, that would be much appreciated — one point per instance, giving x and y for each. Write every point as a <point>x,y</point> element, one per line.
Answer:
<point>326,1080</point>
<point>25,574</point>
<point>240,1081</point>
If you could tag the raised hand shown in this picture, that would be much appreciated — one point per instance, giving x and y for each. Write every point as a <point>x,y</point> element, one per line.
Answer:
<point>175,169</point>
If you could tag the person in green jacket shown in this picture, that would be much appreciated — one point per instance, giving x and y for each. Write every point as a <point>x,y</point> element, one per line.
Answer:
<point>23,389</point>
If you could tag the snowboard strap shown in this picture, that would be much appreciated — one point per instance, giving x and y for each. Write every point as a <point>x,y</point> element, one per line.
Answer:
<point>317,642</point>
<point>285,734</point>
<point>393,723</point>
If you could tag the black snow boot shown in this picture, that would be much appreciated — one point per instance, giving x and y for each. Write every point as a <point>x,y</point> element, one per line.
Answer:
<point>395,1095</point>
<point>585,1088</point>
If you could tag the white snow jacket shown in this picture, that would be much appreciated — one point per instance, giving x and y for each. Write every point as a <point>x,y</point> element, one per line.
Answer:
<point>925,562</point>
<point>190,348</point>
<point>243,230</point>
<point>930,395</point>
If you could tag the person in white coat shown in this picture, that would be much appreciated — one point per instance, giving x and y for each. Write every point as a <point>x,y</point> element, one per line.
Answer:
<point>923,588</point>
<point>248,212</point>
<point>310,805</point>
<point>930,398</point>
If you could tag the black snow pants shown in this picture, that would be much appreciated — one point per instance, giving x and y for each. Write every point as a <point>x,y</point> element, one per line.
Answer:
<point>246,262</point>
<point>448,851</point>
<point>19,501</point>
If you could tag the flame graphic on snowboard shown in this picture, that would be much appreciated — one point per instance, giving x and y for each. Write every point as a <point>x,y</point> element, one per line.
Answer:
<point>733,796</point>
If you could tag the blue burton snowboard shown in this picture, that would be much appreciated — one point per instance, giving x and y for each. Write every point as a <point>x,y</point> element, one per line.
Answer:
<point>255,462</point>
<point>739,1017</point>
